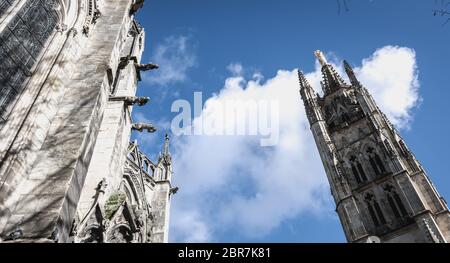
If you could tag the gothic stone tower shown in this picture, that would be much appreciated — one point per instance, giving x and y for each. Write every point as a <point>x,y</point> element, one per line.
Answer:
<point>68,79</point>
<point>381,191</point>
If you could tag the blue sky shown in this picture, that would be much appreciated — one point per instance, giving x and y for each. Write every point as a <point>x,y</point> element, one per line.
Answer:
<point>215,46</point>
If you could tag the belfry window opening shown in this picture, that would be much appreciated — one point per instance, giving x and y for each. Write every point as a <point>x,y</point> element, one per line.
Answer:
<point>357,170</point>
<point>395,202</point>
<point>376,162</point>
<point>375,210</point>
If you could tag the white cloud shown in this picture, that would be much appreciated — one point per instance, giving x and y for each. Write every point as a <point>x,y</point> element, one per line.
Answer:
<point>235,69</point>
<point>175,57</point>
<point>231,184</point>
<point>191,228</point>
<point>392,77</point>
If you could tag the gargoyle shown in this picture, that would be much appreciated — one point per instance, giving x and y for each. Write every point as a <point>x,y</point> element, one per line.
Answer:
<point>131,100</point>
<point>143,126</point>
<point>138,4</point>
<point>174,190</point>
<point>144,67</point>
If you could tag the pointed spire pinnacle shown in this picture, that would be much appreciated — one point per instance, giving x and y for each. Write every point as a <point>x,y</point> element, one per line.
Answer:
<point>307,93</point>
<point>351,74</point>
<point>309,98</point>
<point>165,158</point>
<point>332,81</point>
<point>302,80</point>
<point>347,66</point>
<point>166,145</point>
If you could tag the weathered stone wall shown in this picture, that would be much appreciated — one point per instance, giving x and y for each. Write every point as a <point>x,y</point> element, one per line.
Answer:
<point>48,141</point>
<point>160,202</point>
<point>112,143</point>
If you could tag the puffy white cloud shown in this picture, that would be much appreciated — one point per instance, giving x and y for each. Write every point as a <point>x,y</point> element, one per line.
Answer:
<point>231,183</point>
<point>175,56</point>
<point>391,75</point>
<point>192,228</point>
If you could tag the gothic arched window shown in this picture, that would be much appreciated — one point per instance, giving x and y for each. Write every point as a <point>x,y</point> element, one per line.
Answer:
<point>376,162</point>
<point>22,42</point>
<point>374,210</point>
<point>395,202</point>
<point>357,170</point>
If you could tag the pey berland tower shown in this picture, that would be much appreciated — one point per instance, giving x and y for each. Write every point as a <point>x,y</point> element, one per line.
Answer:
<point>68,171</point>
<point>382,193</point>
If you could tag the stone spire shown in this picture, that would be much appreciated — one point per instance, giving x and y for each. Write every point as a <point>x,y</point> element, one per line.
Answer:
<point>166,145</point>
<point>351,75</point>
<point>306,91</point>
<point>309,98</point>
<point>304,84</point>
<point>369,167</point>
<point>332,81</point>
<point>165,156</point>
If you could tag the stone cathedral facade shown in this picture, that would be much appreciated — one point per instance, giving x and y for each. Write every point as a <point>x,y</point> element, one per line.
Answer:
<point>382,193</point>
<point>68,171</point>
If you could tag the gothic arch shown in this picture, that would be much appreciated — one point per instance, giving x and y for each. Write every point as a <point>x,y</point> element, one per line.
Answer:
<point>355,166</point>
<point>395,202</point>
<point>376,159</point>
<point>130,190</point>
<point>374,209</point>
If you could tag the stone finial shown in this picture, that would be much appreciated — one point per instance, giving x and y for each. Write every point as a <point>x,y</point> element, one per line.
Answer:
<point>166,144</point>
<point>323,61</point>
